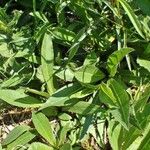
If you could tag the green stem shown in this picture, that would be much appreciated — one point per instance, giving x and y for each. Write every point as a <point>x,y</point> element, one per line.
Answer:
<point>43,94</point>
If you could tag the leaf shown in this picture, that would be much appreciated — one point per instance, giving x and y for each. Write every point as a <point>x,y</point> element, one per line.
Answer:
<point>136,23</point>
<point>65,75</point>
<point>19,99</point>
<point>22,140</point>
<point>144,63</point>
<point>78,39</point>
<point>60,97</point>
<point>91,59</point>
<point>115,58</point>
<point>115,135</point>
<point>12,81</point>
<point>65,117</point>
<point>121,114</point>
<point>145,144</point>
<point>144,5</point>
<point>47,61</point>
<point>63,34</point>
<point>66,146</point>
<point>15,133</point>
<point>39,146</point>
<point>83,108</point>
<point>86,126</point>
<point>106,95</point>
<point>63,133</point>
<point>143,97</point>
<point>88,74</point>
<point>42,125</point>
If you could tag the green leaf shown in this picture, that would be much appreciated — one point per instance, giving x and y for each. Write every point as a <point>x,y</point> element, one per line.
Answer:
<point>12,81</point>
<point>63,133</point>
<point>15,133</point>
<point>22,140</point>
<point>88,74</point>
<point>115,135</point>
<point>121,114</point>
<point>19,99</point>
<point>133,18</point>
<point>60,97</point>
<point>66,146</point>
<point>91,59</point>
<point>63,34</point>
<point>47,61</point>
<point>115,58</point>
<point>144,5</point>
<point>65,117</point>
<point>144,63</point>
<point>145,144</point>
<point>65,74</point>
<point>78,39</point>
<point>43,126</point>
<point>83,108</point>
<point>106,95</point>
<point>39,146</point>
<point>142,98</point>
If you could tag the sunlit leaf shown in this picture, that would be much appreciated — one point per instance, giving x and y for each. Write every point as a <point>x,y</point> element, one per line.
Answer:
<point>44,128</point>
<point>19,99</point>
<point>115,58</point>
<point>89,74</point>
<point>47,60</point>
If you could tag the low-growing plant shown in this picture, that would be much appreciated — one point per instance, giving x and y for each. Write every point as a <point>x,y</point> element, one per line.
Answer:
<point>81,68</point>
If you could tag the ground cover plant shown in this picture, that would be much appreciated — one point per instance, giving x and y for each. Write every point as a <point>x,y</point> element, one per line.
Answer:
<point>74,74</point>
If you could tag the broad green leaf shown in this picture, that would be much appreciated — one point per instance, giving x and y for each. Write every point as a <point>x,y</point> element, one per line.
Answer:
<point>63,34</point>
<point>61,97</point>
<point>47,61</point>
<point>66,146</point>
<point>50,111</point>
<point>15,133</point>
<point>91,59</point>
<point>141,142</point>
<point>82,93</point>
<point>64,117</point>
<point>115,58</point>
<point>44,128</point>
<point>21,140</point>
<point>19,99</point>
<point>88,74</point>
<point>12,81</point>
<point>133,18</point>
<point>131,136</point>
<point>121,114</point>
<point>115,135</point>
<point>84,108</point>
<point>144,63</point>
<point>65,74</point>
<point>144,5</point>
<point>106,95</point>
<point>39,146</point>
